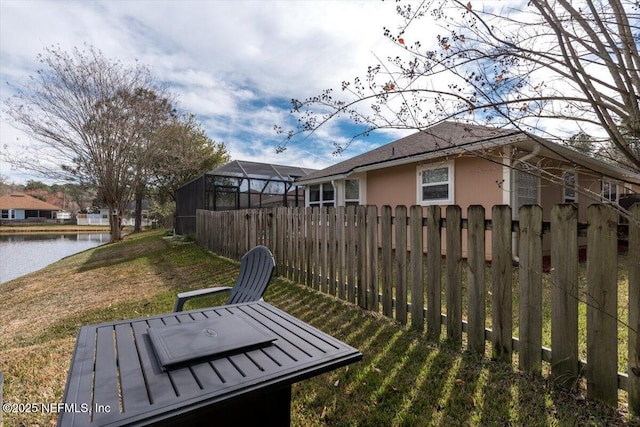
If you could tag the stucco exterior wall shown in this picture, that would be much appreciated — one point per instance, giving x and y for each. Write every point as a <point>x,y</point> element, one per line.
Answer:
<point>476,182</point>
<point>392,186</point>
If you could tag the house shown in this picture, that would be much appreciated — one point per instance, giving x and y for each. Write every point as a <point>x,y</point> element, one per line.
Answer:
<point>17,207</point>
<point>237,185</point>
<point>463,164</point>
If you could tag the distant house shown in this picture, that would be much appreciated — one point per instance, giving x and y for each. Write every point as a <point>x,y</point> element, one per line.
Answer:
<point>22,207</point>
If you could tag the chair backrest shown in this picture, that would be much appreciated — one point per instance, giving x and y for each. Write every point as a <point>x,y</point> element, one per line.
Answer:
<point>256,269</point>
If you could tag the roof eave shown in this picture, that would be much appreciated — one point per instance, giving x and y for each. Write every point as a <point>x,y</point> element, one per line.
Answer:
<point>443,152</point>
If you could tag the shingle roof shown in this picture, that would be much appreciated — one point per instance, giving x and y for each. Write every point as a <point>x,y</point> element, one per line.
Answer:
<point>24,201</point>
<point>450,138</point>
<point>439,138</point>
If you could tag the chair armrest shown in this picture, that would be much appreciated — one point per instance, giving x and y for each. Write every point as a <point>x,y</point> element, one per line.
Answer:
<point>182,297</point>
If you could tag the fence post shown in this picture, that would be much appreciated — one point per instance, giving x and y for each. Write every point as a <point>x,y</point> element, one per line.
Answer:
<point>502,304</point>
<point>434,273</point>
<point>530,272</point>
<point>476,277</point>
<point>564,295</point>
<point>454,273</point>
<point>417,289</point>
<point>401,264</point>
<point>372,258</point>
<point>387,266</point>
<point>634,311</point>
<point>602,298</point>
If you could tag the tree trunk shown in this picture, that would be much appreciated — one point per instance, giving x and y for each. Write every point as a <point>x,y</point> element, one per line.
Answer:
<point>138,214</point>
<point>114,223</point>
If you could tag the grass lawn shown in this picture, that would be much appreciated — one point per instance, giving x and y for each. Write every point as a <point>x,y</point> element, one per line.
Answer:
<point>403,379</point>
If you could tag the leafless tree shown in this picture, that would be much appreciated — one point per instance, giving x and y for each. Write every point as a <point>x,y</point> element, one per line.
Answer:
<point>89,118</point>
<point>540,67</point>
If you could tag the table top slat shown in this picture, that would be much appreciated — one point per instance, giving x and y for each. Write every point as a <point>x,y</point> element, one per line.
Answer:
<point>106,388</point>
<point>135,395</point>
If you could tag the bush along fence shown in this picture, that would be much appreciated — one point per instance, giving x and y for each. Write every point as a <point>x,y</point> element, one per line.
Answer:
<point>409,263</point>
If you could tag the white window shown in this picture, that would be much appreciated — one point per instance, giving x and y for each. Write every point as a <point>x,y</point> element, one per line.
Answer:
<point>322,195</point>
<point>351,192</point>
<point>610,191</point>
<point>569,188</point>
<point>435,184</point>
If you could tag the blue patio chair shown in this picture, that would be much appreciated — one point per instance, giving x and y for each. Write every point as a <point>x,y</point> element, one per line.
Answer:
<point>256,269</point>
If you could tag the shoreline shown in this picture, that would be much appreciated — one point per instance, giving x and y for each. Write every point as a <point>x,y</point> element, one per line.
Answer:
<point>49,228</point>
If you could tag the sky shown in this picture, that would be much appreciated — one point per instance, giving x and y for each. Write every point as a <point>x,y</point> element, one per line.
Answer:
<point>234,64</point>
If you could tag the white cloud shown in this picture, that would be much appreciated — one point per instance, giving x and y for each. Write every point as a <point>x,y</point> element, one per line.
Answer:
<point>232,63</point>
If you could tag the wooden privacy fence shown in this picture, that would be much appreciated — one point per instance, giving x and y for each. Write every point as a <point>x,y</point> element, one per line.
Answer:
<point>392,261</point>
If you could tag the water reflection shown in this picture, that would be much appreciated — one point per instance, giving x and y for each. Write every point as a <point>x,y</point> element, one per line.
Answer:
<point>24,253</point>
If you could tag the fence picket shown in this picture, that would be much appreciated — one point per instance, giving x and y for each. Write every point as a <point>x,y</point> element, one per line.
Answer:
<point>454,273</point>
<point>361,218</point>
<point>602,294</point>
<point>476,276</point>
<point>434,274</point>
<point>387,266</point>
<point>564,295</point>
<point>351,254</point>
<point>417,288</point>
<point>341,264</point>
<point>309,239</point>
<point>372,258</point>
<point>502,303</point>
<point>324,253</point>
<point>530,271</point>
<point>332,249</point>
<point>401,264</point>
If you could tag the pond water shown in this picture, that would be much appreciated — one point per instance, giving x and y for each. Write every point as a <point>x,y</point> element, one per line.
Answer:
<point>24,253</point>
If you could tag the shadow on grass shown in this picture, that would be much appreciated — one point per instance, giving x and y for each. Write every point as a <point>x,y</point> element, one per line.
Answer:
<point>406,380</point>
<point>177,265</point>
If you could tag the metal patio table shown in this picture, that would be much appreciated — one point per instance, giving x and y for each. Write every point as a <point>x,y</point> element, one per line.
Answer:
<point>115,378</point>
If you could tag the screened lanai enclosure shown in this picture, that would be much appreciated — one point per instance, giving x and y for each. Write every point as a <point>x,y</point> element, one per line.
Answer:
<point>238,185</point>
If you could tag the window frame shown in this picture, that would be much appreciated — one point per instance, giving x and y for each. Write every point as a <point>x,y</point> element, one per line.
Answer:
<point>321,202</point>
<point>450,182</point>
<point>352,201</point>
<point>566,198</point>
<point>611,184</point>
